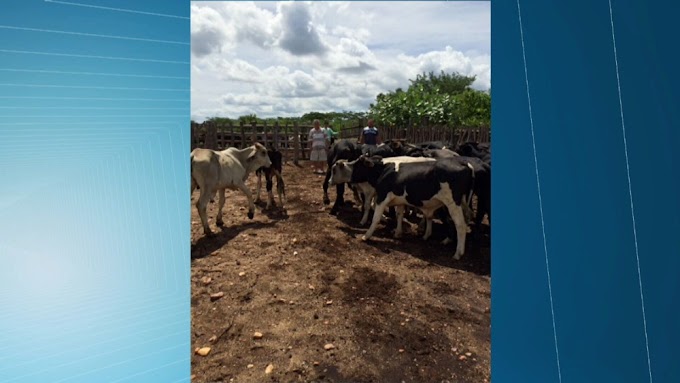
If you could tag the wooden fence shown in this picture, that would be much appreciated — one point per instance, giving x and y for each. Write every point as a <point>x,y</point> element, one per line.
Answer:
<point>291,139</point>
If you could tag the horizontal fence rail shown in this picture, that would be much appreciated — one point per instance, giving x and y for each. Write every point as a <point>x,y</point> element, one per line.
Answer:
<point>291,139</point>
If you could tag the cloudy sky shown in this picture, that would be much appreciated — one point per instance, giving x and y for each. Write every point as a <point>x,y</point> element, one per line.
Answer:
<point>290,58</point>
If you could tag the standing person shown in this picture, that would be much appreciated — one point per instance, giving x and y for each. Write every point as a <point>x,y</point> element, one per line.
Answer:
<point>318,142</point>
<point>330,133</point>
<point>370,135</point>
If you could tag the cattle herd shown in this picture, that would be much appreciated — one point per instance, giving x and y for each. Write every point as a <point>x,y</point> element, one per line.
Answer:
<point>433,179</point>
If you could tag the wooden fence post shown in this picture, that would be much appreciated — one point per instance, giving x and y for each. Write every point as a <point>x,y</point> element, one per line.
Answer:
<point>253,133</point>
<point>275,137</point>
<point>286,133</point>
<point>211,136</point>
<point>264,133</point>
<point>232,136</point>
<point>296,143</point>
<point>243,135</point>
<point>192,135</point>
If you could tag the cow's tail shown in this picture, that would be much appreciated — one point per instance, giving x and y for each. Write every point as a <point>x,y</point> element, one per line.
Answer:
<point>467,203</point>
<point>194,184</point>
<point>280,184</point>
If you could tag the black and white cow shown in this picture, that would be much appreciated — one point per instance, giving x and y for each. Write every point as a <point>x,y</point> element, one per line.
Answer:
<point>477,150</point>
<point>425,185</point>
<point>275,170</point>
<point>344,149</point>
<point>433,145</point>
<point>482,184</point>
<point>368,191</point>
<point>481,151</point>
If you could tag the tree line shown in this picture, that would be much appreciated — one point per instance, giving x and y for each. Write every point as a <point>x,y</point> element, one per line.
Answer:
<point>440,99</point>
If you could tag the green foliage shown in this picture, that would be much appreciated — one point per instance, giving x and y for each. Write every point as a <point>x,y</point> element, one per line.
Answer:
<point>445,99</point>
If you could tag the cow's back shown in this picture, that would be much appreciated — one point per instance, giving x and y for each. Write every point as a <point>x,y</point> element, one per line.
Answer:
<point>344,149</point>
<point>457,173</point>
<point>204,167</point>
<point>411,178</point>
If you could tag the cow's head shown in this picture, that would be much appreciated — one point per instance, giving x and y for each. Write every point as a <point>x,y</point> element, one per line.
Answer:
<point>397,145</point>
<point>341,172</point>
<point>468,149</point>
<point>359,170</point>
<point>258,157</point>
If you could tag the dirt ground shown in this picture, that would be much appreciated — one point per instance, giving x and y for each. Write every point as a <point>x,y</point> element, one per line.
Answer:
<point>329,307</point>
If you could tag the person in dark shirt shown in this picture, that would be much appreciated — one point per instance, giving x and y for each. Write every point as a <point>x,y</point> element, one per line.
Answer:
<point>370,135</point>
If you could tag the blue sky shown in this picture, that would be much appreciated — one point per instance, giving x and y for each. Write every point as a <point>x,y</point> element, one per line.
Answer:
<point>290,58</point>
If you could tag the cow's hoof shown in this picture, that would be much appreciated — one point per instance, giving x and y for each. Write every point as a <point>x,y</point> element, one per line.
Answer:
<point>457,256</point>
<point>219,223</point>
<point>251,215</point>
<point>446,241</point>
<point>326,201</point>
<point>397,235</point>
<point>209,233</point>
<point>363,223</point>
<point>364,238</point>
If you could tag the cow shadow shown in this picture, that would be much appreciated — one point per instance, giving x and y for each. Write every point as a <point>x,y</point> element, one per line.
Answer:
<point>477,257</point>
<point>274,213</point>
<point>207,245</point>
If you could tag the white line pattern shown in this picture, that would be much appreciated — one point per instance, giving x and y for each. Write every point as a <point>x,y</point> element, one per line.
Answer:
<point>93,56</point>
<point>94,87</point>
<point>90,73</point>
<point>630,194</point>
<point>117,9</point>
<point>540,199</point>
<point>92,35</point>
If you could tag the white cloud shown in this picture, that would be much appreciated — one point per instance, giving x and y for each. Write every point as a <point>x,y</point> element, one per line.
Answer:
<point>290,58</point>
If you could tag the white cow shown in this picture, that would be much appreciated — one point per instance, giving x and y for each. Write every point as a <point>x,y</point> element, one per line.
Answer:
<point>214,171</point>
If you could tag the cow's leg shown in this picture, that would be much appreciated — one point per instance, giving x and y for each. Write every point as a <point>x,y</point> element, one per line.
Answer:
<point>339,199</point>
<point>259,186</point>
<point>280,187</point>
<point>326,200</point>
<point>421,224</point>
<point>357,197</point>
<point>450,228</point>
<point>377,214</point>
<point>220,205</point>
<point>201,205</point>
<point>368,198</point>
<point>251,206</point>
<point>456,212</point>
<point>270,185</point>
<point>400,218</point>
<point>428,228</point>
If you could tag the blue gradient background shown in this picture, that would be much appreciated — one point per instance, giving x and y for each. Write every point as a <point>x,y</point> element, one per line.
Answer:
<point>584,187</point>
<point>94,228</point>
<point>94,233</point>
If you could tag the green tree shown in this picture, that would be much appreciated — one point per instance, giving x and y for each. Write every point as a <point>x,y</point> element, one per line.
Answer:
<point>442,99</point>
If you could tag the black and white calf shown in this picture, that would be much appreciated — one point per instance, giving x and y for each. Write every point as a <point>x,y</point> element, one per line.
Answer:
<point>425,185</point>
<point>274,170</point>
<point>368,191</point>
<point>345,149</point>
